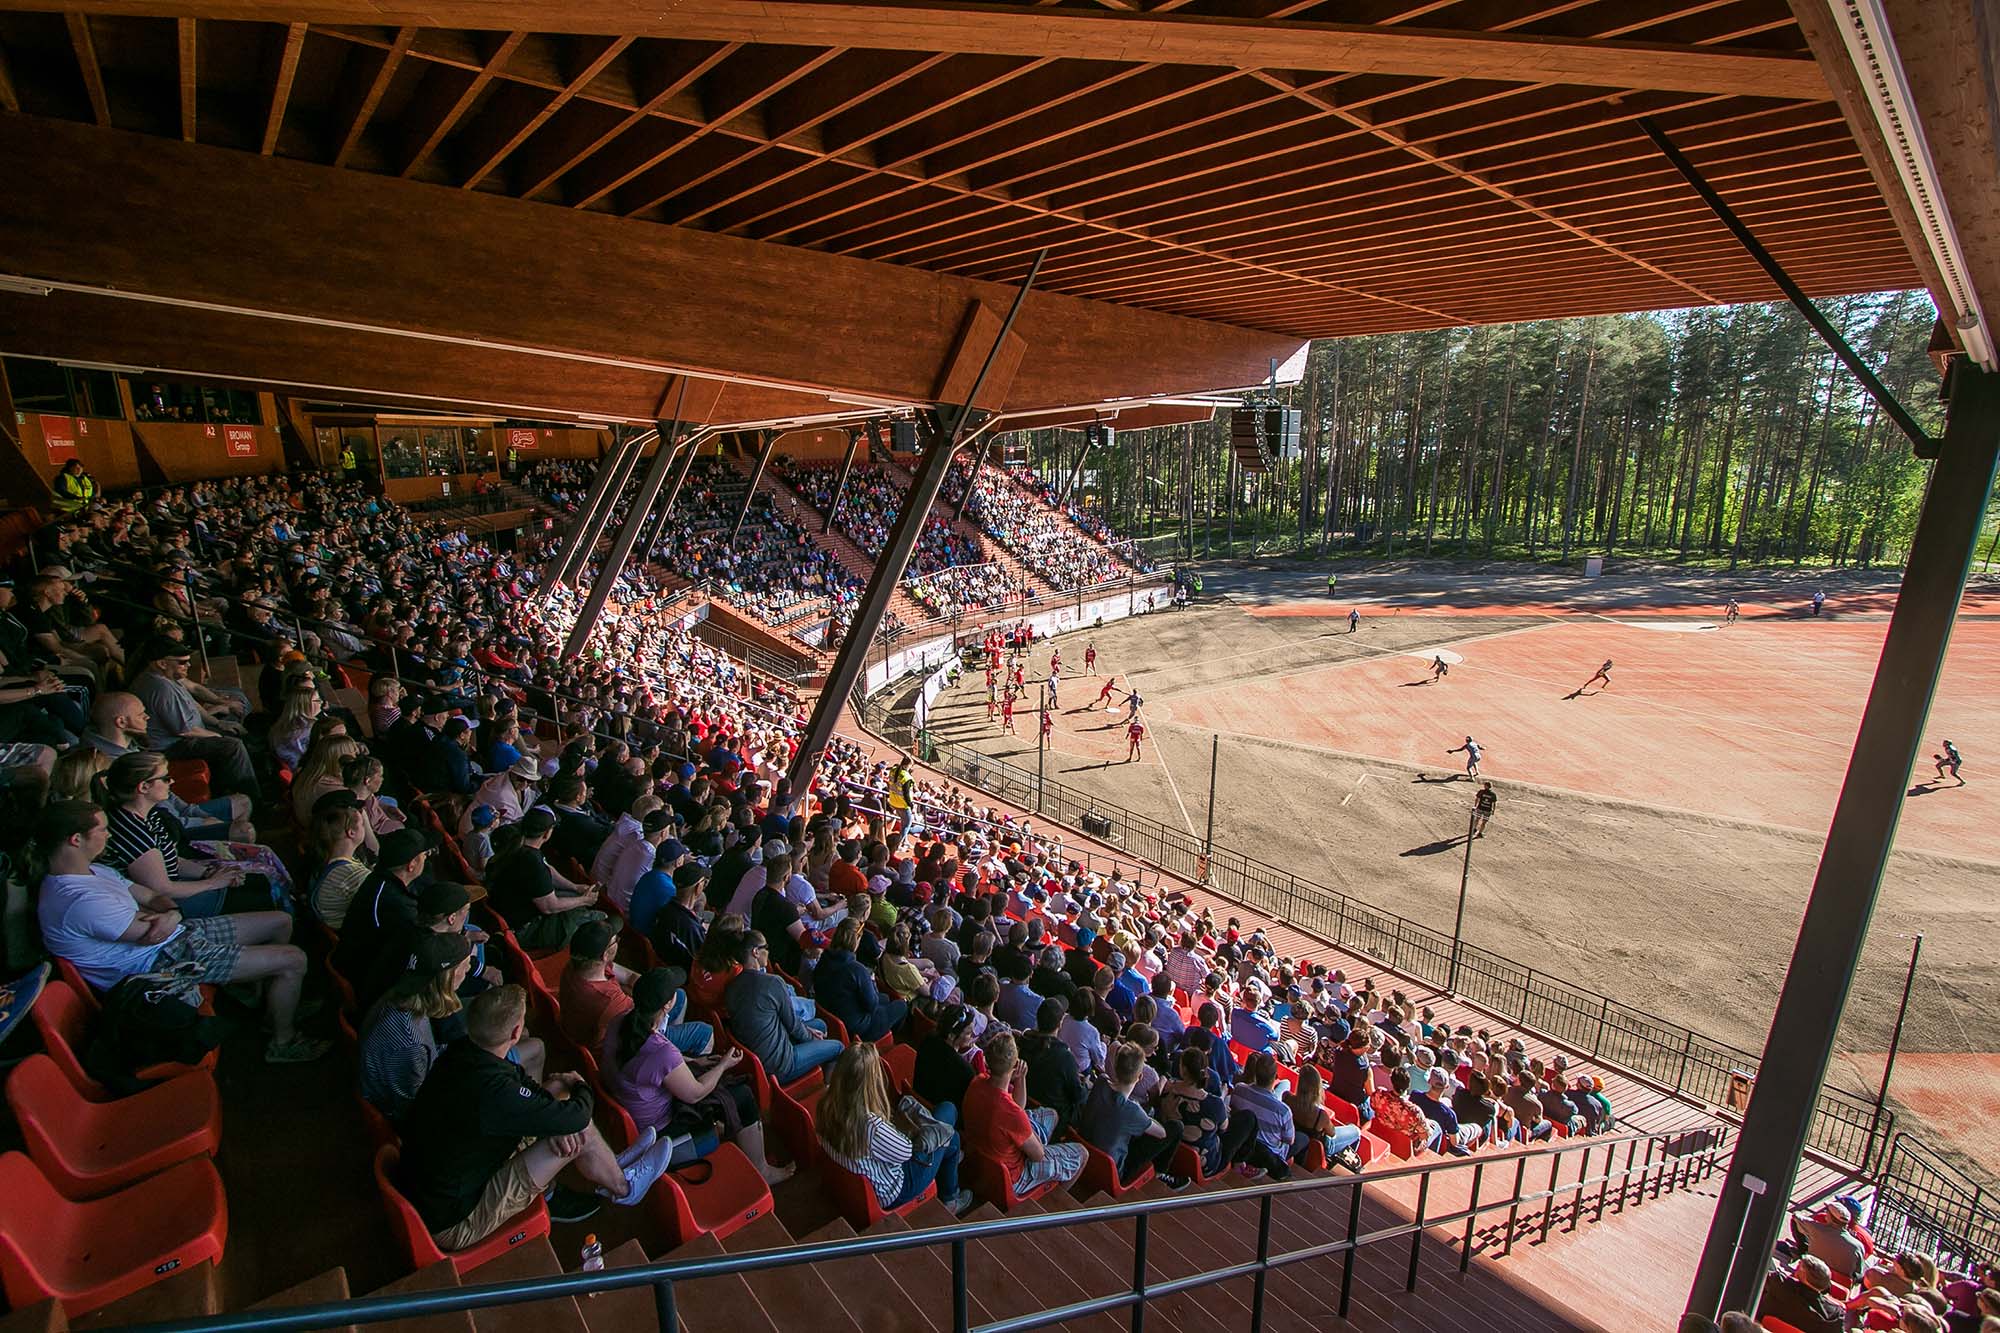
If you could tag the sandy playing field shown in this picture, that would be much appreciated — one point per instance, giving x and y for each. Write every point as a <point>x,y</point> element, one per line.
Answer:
<point>1655,840</point>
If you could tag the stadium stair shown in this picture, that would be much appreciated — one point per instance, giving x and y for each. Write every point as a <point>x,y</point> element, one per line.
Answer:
<point>835,543</point>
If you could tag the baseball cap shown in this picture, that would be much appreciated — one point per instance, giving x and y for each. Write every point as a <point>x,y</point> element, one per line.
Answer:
<point>482,816</point>
<point>458,726</point>
<point>439,951</point>
<point>441,897</point>
<point>401,847</point>
<point>537,822</point>
<point>656,820</point>
<point>694,872</point>
<point>670,851</point>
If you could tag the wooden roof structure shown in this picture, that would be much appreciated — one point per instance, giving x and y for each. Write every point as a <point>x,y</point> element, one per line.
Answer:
<point>573,203</point>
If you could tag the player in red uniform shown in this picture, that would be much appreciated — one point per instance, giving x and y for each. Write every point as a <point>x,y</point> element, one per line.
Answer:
<point>1048,725</point>
<point>1090,659</point>
<point>1104,695</point>
<point>1007,714</point>
<point>1134,732</point>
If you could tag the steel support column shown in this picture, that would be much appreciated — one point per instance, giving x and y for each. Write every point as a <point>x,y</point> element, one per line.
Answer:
<point>846,468</point>
<point>1075,473</point>
<point>612,474</point>
<point>756,477</point>
<point>848,663</point>
<point>972,479</point>
<point>666,507</point>
<point>622,544</point>
<point>1747,1224</point>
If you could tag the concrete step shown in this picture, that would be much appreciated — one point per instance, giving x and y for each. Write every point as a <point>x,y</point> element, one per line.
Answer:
<point>317,1290</point>
<point>438,1277</point>
<point>627,1311</point>
<point>717,1304</point>
<point>41,1317</point>
<point>188,1294</point>
<point>870,1292</point>
<point>1019,1274</point>
<point>797,1297</point>
<point>531,1259</point>
<point>925,1275</point>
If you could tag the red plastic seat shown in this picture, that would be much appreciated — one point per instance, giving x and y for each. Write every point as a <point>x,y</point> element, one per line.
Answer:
<point>792,1115</point>
<point>380,1129</point>
<point>1313,1156</point>
<point>87,1255</point>
<point>415,1238</point>
<point>993,1183</point>
<point>717,1196</point>
<point>1401,1144</point>
<point>901,1064</point>
<point>90,1149</point>
<point>1100,1174</point>
<point>1777,1325</point>
<point>189,779</point>
<point>855,1197</point>
<point>64,1022</point>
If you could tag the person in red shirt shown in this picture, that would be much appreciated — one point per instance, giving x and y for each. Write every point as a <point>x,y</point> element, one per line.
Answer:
<point>845,879</point>
<point>1135,733</point>
<point>1007,714</point>
<point>1089,659</point>
<point>1048,725</point>
<point>996,1127</point>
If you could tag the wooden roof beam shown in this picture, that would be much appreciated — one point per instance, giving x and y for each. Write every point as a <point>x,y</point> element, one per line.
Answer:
<point>507,122</point>
<point>87,67</point>
<point>284,69</point>
<point>1075,34</point>
<point>363,80</point>
<point>10,100</point>
<point>608,291</point>
<point>439,105</point>
<point>188,43</point>
<point>567,142</point>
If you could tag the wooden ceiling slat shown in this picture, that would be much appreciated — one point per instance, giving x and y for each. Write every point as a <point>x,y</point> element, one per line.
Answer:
<point>564,144</point>
<point>364,80</point>
<point>88,69</point>
<point>498,132</point>
<point>285,68</point>
<point>441,106</point>
<point>186,55</point>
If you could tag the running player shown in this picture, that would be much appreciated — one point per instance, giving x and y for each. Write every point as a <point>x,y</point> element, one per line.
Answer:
<point>1090,659</point>
<point>1353,619</point>
<point>1730,612</point>
<point>1054,681</point>
<point>1438,669</point>
<point>1471,752</point>
<point>1055,662</point>
<point>1134,699</point>
<point>1818,601</point>
<point>1135,731</point>
<point>1104,695</point>
<point>1949,759</point>
<point>1603,674</point>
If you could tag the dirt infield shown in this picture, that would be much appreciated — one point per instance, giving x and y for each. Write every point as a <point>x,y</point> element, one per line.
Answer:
<point>1656,840</point>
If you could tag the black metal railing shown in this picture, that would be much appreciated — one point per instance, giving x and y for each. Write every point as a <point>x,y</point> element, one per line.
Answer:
<point>1924,1203</point>
<point>1532,1207</point>
<point>1844,1126</point>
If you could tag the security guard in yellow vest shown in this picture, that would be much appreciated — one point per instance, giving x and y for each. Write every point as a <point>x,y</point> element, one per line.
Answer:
<point>74,489</point>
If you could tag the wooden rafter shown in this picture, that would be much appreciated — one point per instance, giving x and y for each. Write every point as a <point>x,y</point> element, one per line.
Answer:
<point>10,100</point>
<point>285,71</point>
<point>441,106</point>
<point>1088,34</point>
<point>363,89</point>
<point>85,47</point>
<point>187,49</point>
<point>560,148</point>
<point>494,135</point>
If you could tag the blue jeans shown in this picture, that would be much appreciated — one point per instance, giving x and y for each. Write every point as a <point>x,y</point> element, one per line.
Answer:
<point>810,1055</point>
<point>689,1038</point>
<point>940,1164</point>
<point>808,1013</point>
<point>1340,1140</point>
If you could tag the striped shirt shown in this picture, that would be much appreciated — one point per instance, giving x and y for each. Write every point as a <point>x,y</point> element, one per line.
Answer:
<point>132,837</point>
<point>888,1149</point>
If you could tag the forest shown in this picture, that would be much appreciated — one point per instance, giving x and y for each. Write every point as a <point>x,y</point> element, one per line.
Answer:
<point>1719,434</point>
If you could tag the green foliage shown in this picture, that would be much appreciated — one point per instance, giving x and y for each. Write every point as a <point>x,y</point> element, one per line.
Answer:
<point>1714,435</point>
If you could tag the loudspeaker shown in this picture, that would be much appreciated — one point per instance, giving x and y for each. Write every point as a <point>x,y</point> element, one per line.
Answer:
<point>1097,826</point>
<point>903,436</point>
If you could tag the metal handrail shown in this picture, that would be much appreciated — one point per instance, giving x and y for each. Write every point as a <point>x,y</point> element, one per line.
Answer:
<point>1692,1166</point>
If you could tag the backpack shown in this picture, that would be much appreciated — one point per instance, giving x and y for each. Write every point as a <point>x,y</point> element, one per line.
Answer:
<point>148,1019</point>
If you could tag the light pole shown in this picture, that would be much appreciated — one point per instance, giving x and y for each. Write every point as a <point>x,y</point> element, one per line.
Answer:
<point>1895,1043</point>
<point>1464,879</point>
<point>1208,840</point>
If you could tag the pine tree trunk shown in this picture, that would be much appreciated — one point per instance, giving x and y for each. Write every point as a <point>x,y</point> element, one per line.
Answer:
<point>1576,451</point>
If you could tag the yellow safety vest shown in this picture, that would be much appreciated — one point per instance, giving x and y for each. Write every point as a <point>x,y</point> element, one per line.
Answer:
<point>73,492</point>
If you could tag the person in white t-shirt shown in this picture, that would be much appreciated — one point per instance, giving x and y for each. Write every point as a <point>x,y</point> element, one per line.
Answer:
<point>111,928</point>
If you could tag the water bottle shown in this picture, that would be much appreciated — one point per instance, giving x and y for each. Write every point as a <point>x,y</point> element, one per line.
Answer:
<point>593,1256</point>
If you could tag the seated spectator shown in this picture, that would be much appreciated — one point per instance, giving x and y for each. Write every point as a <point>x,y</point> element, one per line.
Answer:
<point>483,1139</point>
<point>398,1040</point>
<point>319,771</point>
<point>386,900</point>
<point>334,841</point>
<point>508,794</point>
<point>1475,1105</point>
<point>111,928</point>
<point>300,708</point>
<point>945,1058</point>
<point>846,987</point>
<point>630,850</point>
<point>862,1133</point>
<point>1080,1034</point>
<point>149,847</point>
<point>1427,1091</point>
<point>716,964</point>
<point>661,1091</point>
<point>1053,1079</point>
<point>442,908</point>
<point>1250,1023</point>
<point>119,723</point>
<point>777,1026</point>
<point>1120,1127</point>
<point>1315,1124</point>
<point>996,1125</point>
<point>182,728</point>
<point>666,905</point>
<point>594,991</point>
<point>580,832</point>
<point>1396,1113</point>
<point>542,908</point>
<point>776,915</point>
<point>1527,1108</point>
<point>1827,1235</point>
<point>1260,1131</point>
<point>1799,1296</point>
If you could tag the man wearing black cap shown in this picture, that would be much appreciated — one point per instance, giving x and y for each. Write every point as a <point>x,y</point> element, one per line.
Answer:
<point>447,760</point>
<point>406,745</point>
<point>542,910</point>
<point>386,900</point>
<point>442,908</point>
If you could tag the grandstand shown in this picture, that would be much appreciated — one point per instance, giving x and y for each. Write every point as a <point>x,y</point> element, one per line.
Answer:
<point>464,868</point>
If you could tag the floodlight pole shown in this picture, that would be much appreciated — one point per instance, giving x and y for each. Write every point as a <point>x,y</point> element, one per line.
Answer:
<point>846,467</point>
<point>1464,881</point>
<point>756,480</point>
<point>1895,1045</point>
<point>612,473</point>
